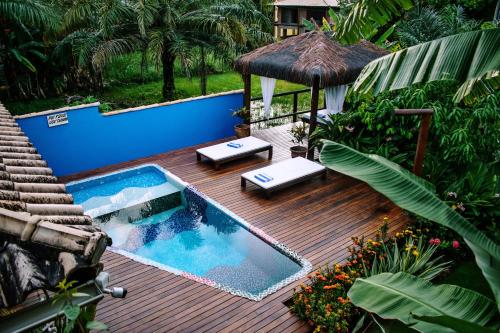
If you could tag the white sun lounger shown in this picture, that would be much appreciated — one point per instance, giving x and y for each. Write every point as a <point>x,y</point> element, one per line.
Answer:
<point>283,174</point>
<point>233,150</point>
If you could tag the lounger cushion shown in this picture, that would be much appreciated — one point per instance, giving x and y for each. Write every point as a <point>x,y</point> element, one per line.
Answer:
<point>283,172</point>
<point>222,151</point>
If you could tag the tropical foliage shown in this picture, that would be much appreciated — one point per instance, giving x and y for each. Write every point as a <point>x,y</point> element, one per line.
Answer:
<point>74,318</point>
<point>366,16</point>
<point>471,58</point>
<point>76,40</point>
<point>173,29</point>
<point>417,196</point>
<point>323,300</point>
<point>461,158</point>
<point>425,23</point>
<point>406,297</point>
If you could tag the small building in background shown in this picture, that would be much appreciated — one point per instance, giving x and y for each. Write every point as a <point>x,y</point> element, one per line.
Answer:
<point>289,15</point>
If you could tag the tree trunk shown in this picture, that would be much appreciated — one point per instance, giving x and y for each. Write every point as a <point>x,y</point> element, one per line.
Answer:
<point>168,60</point>
<point>203,72</point>
<point>144,63</point>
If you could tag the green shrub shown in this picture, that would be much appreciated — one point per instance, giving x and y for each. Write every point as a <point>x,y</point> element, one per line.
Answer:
<point>462,157</point>
<point>323,300</point>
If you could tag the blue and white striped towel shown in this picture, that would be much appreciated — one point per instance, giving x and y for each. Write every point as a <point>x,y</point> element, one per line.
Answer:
<point>263,177</point>
<point>234,145</point>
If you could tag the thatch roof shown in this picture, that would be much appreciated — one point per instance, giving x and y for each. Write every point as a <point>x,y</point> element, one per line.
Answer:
<point>314,54</point>
<point>44,237</point>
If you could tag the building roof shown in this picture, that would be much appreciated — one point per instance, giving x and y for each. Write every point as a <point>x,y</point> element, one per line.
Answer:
<point>313,54</point>
<point>307,3</point>
<point>44,237</point>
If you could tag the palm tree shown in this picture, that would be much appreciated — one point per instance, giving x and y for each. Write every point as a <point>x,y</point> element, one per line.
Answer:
<point>94,33</point>
<point>20,22</point>
<point>175,27</point>
<point>226,30</point>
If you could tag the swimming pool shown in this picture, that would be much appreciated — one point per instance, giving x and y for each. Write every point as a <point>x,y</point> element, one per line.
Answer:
<point>157,219</point>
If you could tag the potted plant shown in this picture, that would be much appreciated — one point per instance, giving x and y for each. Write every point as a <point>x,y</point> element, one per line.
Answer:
<point>299,133</point>
<point>242,130</point>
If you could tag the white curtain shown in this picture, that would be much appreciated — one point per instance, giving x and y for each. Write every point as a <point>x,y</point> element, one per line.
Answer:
<point>335,96</point>
<point>267,85</point>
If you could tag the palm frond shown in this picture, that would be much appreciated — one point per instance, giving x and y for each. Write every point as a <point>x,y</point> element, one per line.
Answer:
<point>366,15</point>
<point>36,13</point>
<point>106,50</point>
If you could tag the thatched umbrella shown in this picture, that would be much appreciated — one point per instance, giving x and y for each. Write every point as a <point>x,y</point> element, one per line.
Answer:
<point>312,59</point>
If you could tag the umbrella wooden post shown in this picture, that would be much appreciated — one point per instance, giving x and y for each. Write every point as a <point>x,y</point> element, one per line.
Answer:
<point>423,134</point>
<point>247,94</point>
<point>314,115</point>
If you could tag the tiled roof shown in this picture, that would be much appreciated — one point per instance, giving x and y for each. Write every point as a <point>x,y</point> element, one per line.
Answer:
<point>44,237</point>
<point>307,3</point>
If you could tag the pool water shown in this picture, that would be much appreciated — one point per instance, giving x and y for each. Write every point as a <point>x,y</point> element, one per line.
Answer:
<point>166,223</point>
<point>103,195</point>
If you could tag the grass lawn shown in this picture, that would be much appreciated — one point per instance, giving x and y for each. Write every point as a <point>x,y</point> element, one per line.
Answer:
<point>136,94</point>
<point>125,87</point>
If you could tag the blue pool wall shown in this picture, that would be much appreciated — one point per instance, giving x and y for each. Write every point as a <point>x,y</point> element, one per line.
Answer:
<point>92,139</point>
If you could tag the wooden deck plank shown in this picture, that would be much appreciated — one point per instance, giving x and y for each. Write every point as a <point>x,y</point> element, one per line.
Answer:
<point>328,212</point>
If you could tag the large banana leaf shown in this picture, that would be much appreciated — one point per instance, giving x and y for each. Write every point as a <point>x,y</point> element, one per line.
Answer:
<point>415,195</point>
<point>471,58</point>
<point>458,325</point>
<point>405,297</point>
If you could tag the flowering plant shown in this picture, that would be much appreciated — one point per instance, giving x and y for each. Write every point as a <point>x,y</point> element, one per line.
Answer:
<point>323,301</point>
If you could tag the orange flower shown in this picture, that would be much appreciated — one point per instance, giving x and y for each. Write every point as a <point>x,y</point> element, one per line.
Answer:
<point>341,300</point>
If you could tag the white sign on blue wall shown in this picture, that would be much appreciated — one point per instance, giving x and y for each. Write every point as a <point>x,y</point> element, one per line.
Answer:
<point>57,119</point>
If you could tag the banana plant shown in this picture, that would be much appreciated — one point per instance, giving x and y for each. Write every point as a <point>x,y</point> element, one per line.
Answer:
<point>417,196</point>
<point>421,305</point>
<point>470,58</point>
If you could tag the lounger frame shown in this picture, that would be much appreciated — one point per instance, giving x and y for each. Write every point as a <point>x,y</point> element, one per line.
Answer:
<point>217,163</point>
<point>268,191</point>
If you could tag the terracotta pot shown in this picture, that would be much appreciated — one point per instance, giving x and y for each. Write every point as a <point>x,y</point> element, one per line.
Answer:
<point>298,151</point>
<point>242,130</point>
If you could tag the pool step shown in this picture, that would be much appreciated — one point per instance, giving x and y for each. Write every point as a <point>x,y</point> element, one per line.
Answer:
<point>143,210</point>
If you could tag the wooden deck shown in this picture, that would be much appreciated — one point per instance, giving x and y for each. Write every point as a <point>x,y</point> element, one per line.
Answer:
<point>316,219</point>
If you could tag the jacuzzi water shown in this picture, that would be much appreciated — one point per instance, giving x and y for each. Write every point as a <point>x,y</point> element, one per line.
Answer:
<point>155,218</point>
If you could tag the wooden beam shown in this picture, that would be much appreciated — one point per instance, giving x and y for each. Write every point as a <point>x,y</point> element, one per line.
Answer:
<point>314,115</point>
<point>423,134</point>
<point>247,93</point>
